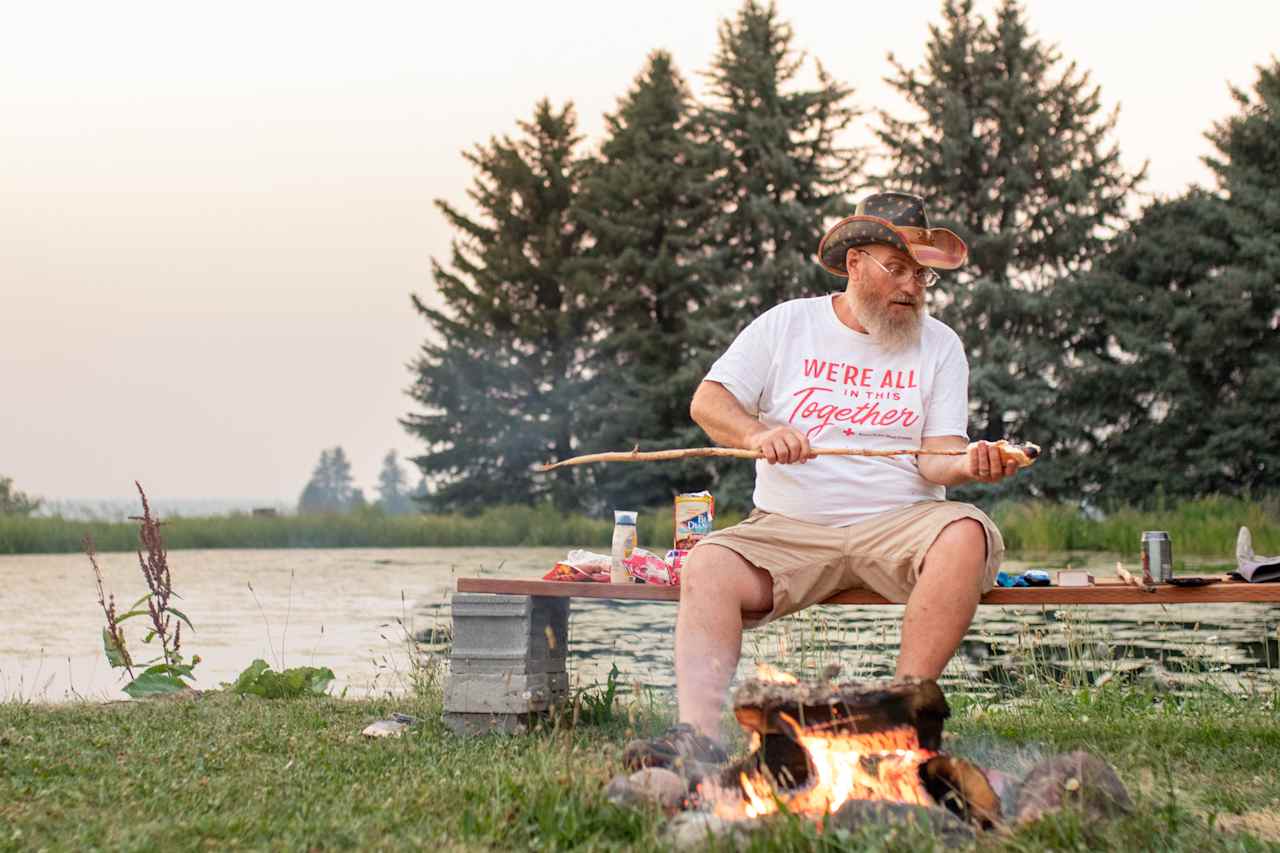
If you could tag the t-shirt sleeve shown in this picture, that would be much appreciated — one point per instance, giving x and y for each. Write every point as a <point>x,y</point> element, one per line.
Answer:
<point>948,411</point>
<point>744,367</point>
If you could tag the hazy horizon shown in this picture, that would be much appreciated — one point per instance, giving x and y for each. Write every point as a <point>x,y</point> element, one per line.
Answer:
<point>212,218</point>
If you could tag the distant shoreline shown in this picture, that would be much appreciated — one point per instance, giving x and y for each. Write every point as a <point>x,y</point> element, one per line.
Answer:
<point>1205,528</point>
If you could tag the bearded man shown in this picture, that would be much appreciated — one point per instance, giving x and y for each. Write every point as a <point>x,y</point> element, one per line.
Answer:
<point>867,368</point>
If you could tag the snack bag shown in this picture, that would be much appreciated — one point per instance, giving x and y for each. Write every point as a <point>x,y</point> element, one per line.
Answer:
<point>695,518</point>
<point>675,560</point>
<point>647,567</point>
<point>581,565</point>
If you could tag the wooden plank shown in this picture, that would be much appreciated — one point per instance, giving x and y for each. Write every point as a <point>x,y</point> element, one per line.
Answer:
<point>1105,591</point>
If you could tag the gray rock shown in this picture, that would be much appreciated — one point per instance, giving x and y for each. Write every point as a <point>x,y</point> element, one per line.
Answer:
<point>650,786</point>
<point>1073,780</point>
<point>693,830</point>
<point>856,815</point>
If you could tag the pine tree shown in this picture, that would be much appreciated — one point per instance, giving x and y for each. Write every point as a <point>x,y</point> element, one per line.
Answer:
<point>781,177</point>
<point>643,202</point>
<point>14,502</point>
<point>500,373</point>
<point>392,497</point>
<point>1011,150</point>
<point>331,487</point>
<point>1177,341</point>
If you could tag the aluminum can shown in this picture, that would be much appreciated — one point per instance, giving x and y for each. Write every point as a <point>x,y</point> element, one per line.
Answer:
<point>1157,556</point>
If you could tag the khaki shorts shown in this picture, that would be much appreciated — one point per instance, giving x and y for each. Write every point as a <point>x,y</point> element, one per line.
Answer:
<point>810,563</point>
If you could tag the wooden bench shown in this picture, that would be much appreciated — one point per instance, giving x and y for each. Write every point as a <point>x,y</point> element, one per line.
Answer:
<point>510,636</point>
<point>1104,591</point>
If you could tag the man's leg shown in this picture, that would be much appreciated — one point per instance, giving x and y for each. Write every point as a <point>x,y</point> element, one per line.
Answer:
<point>945,597</point>
<point>717,585</point>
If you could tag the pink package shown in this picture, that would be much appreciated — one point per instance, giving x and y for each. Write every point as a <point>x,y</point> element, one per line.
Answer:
<point>647,567</point>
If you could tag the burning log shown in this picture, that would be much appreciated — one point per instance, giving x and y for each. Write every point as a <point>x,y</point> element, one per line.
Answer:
<point>818,747</point>
<point>760,706</point>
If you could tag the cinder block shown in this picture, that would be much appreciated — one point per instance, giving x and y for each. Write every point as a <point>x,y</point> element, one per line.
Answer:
<point>485,693</point>
<point>509,633</point>
<point>479,724</point>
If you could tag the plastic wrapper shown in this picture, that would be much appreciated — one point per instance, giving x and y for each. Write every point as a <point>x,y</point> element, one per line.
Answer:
<point>647,567</point>
<point>695,518</point>
<point>580,565</point>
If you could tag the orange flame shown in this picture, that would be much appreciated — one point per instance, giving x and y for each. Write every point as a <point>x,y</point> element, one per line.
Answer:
<point>846,766</point>
<point>768,672</point>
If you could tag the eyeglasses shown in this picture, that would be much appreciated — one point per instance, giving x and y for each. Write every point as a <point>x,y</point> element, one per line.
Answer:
<point>902,274</point>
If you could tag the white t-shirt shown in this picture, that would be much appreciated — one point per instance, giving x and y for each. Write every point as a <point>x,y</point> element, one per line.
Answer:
<point>799,365</point>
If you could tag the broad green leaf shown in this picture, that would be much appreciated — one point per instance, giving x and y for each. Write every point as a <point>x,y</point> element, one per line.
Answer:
<point>154,684</point>
<point>117,654</point>
<point>131,614</point>
<point>176,612</point>
<point>181,670</point>
<point>259,680</point>
<point>134,606</point>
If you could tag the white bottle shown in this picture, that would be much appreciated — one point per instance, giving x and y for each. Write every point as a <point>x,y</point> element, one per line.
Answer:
<point>624,542</point>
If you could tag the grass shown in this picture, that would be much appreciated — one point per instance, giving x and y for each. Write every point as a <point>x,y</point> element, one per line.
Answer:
<point>231,772</point>
<point>1203,528</point>
<point>500,526</point>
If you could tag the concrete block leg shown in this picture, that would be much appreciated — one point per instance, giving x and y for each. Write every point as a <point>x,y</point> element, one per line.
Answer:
<point>508,661</point>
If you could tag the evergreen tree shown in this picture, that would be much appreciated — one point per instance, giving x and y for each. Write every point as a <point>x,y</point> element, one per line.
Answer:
<point>392,497</point>
<point>331,488</point>
<point>500,373</point>
<point>14,502</point>
<point>1179,355</point>
<point>781,177</point>
<point>643,202</point>
<point>1011,150</point>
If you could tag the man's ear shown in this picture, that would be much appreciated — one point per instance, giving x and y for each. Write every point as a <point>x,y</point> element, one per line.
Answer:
<point>850,259</point>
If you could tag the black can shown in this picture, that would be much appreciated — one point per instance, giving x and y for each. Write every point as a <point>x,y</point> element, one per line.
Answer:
<point>1157,556</point>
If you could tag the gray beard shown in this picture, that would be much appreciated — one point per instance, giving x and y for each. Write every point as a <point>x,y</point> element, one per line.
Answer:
<point>894,331</point>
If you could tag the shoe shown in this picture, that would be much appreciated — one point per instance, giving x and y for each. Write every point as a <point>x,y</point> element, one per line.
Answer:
<point>679,748</point>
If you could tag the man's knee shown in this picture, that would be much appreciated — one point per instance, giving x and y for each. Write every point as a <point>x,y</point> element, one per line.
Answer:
<point>961,544</point>
<point>714,574</point>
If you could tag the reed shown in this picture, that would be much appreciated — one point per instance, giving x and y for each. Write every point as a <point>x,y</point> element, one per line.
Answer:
<point>1204,528</point>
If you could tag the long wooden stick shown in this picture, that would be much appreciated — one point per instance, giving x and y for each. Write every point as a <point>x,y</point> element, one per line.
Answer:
<point>1024,454</point>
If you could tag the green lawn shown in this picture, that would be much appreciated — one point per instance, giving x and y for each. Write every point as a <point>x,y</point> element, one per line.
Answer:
<point>228,772</point>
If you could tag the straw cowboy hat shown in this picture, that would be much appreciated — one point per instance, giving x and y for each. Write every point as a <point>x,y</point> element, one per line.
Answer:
<point>897,220</point>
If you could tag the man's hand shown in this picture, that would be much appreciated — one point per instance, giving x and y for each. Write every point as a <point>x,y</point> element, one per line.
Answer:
<point>989,463</point>
<point>782,444</point>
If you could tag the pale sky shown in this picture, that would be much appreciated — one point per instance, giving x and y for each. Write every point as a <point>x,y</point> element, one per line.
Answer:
<point>212,216</point>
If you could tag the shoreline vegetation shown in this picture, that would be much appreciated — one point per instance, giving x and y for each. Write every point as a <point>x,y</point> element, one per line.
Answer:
<point>1205,528</point>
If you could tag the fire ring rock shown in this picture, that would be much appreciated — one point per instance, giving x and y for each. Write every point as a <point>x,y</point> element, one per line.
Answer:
<point>857,814</point>
<point>650,786</point>
<point>1076,780</point>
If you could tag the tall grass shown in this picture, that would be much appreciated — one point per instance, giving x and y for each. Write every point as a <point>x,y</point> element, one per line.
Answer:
<point>1202,528</point>
<point>500,526</point>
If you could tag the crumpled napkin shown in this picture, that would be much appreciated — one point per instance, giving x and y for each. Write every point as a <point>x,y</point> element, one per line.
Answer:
<point>1251,567</point>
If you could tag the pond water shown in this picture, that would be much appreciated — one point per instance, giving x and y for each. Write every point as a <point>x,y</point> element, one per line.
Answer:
<point>357,610</point>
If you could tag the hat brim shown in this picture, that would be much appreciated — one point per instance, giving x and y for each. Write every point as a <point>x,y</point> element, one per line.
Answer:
<point>930,247</point>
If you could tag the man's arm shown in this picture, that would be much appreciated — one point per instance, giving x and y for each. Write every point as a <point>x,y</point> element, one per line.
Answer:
<point>728,424</point>
<point>984,463</point>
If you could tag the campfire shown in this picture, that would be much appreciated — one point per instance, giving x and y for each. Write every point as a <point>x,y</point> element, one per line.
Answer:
<point>815,747</point>
<point>851,753</point>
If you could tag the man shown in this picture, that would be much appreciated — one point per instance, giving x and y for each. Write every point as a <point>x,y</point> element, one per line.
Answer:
<point>863,368</point>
